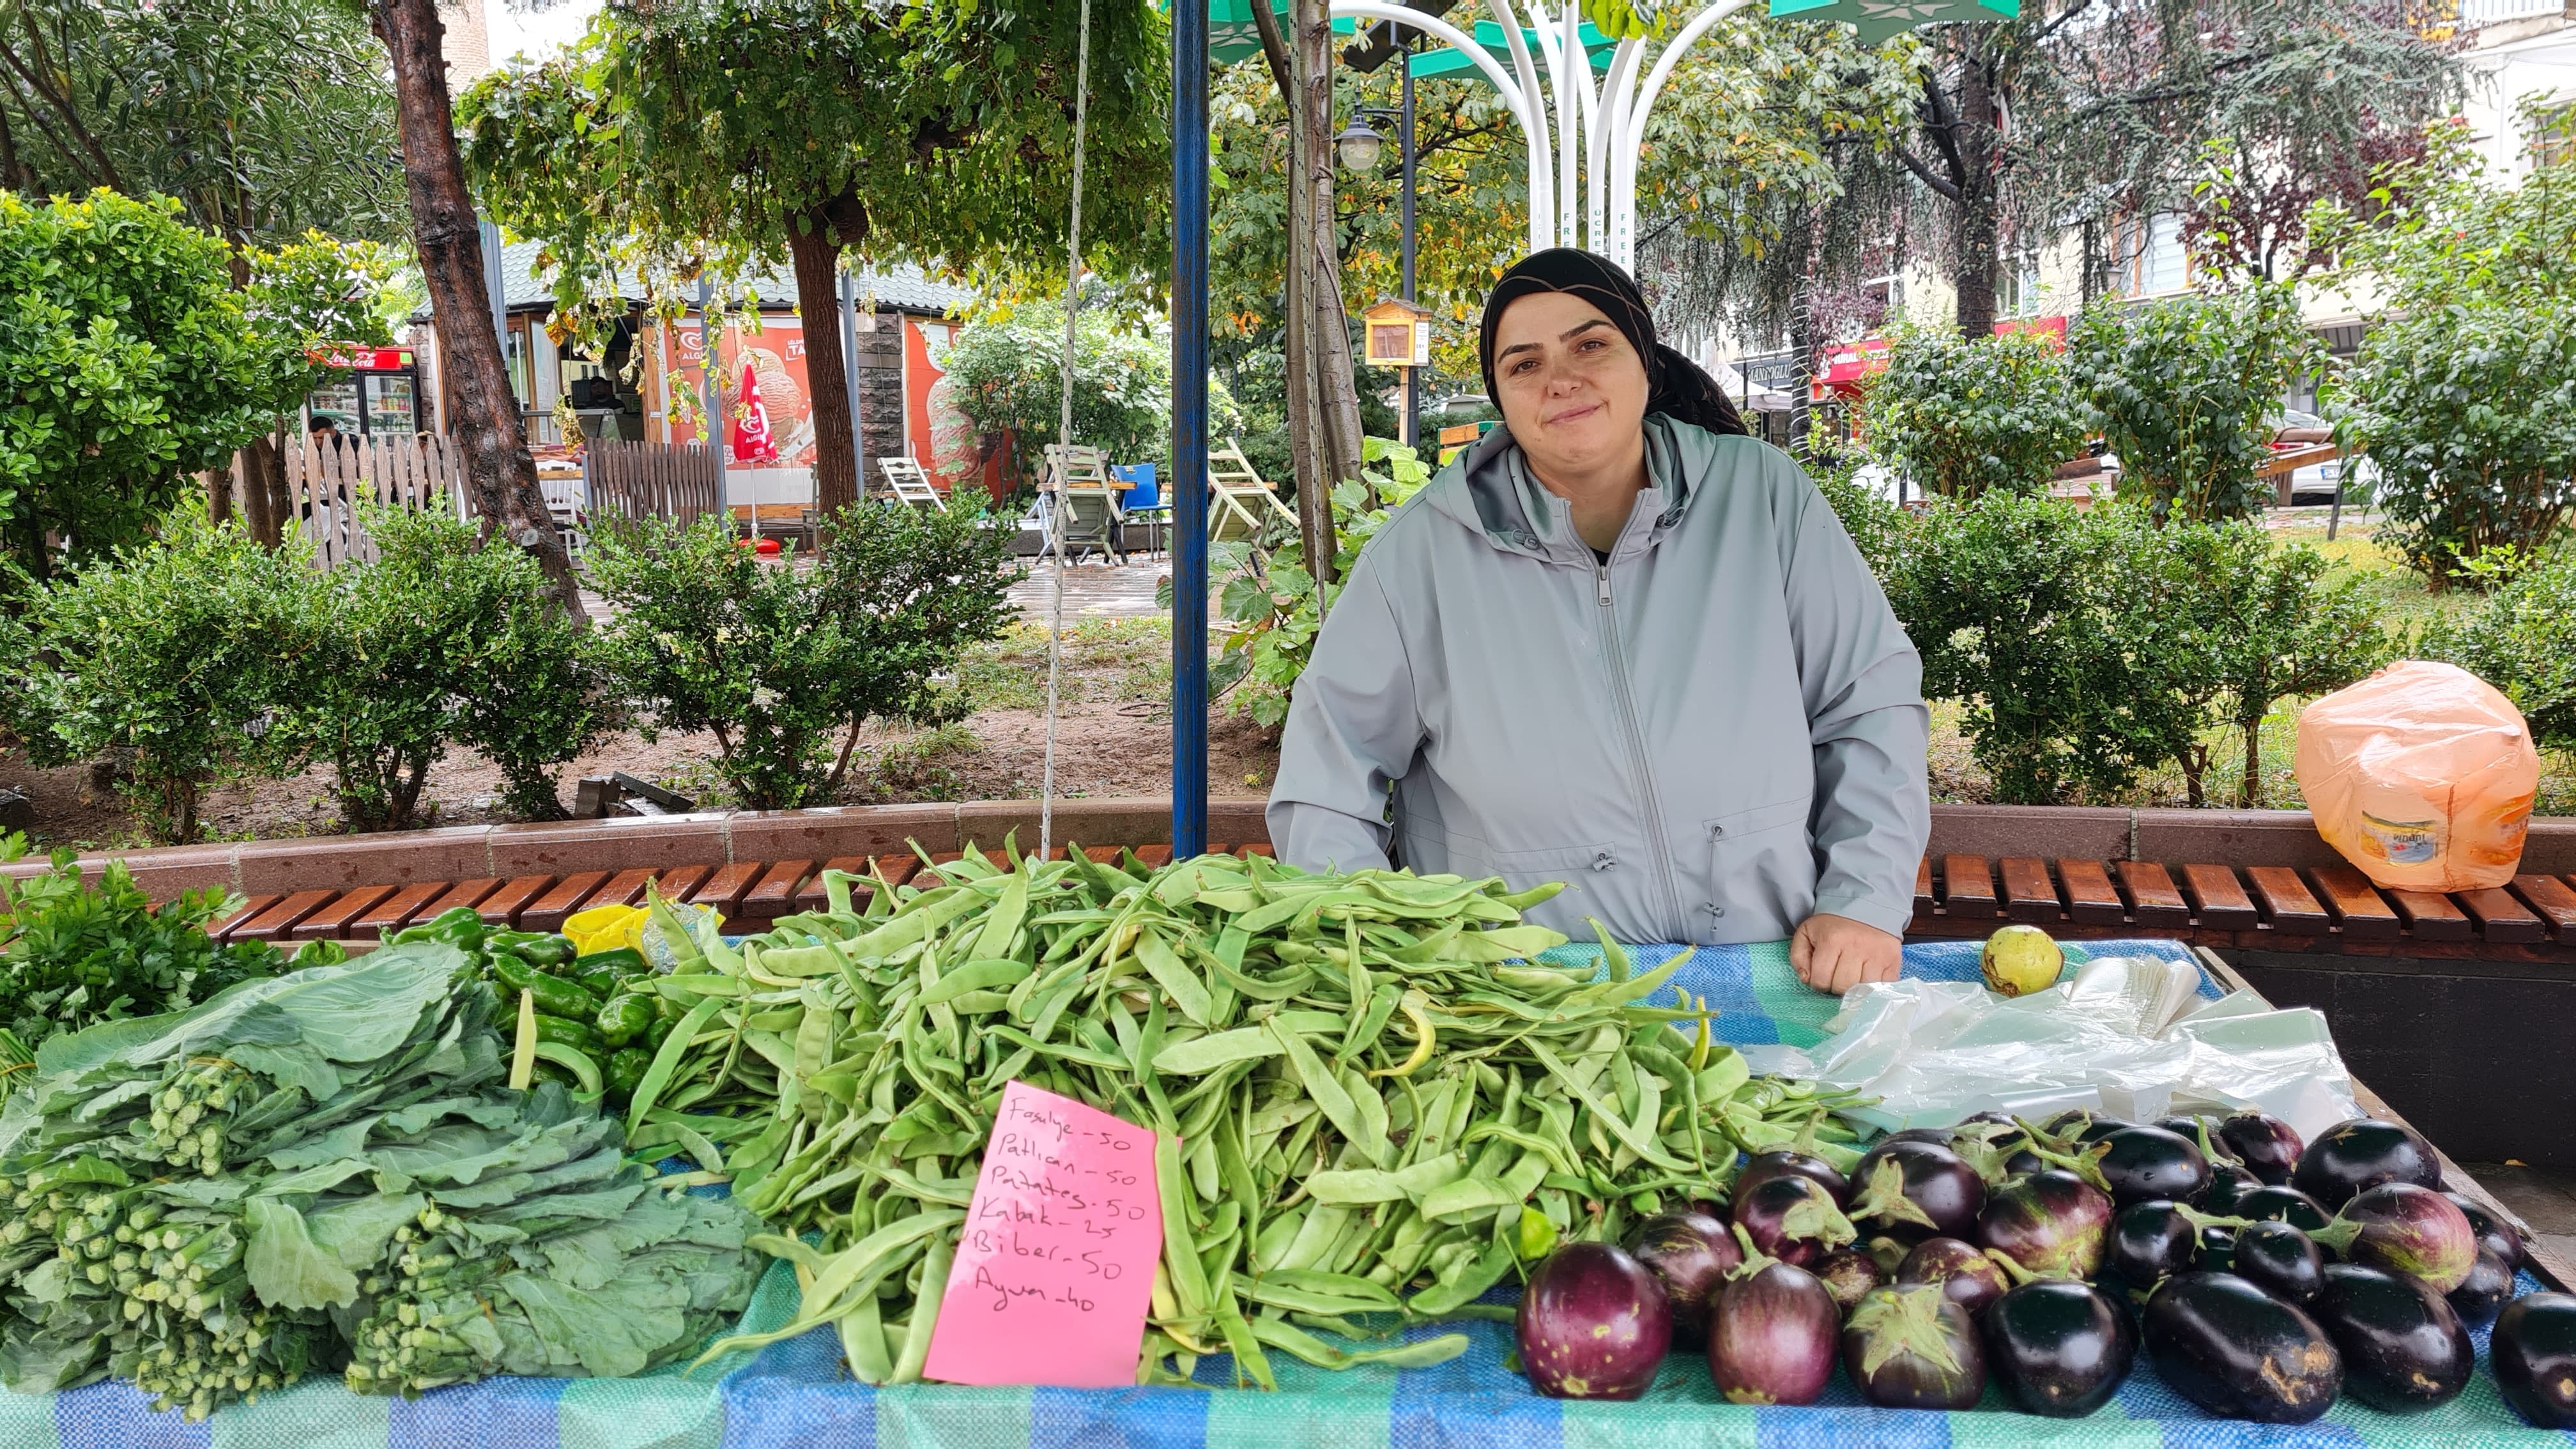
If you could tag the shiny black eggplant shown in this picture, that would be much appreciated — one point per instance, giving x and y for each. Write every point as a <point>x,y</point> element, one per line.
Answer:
<point>1593,1324</point>
<point>2280,1260</point>
<point>2059,1349</point>
<point>1912,1348</point>
<point>2217,1251</point>
<point>2533,1352</point>
<point>1916,1189</point>
<point>2146,1163</point>
<point>2240,1353</point>
<point>2404,1350</point>
<point>2484,1293</point>
<point>2148,1243</point>
<point>2282,1205</point>
<point>2268,1146</point>
<point>2229,1183</point>
<point>2494,1234</point>
<point>2352,1157</point>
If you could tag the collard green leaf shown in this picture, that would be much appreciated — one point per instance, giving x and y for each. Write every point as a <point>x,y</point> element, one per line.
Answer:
<point>287,1268</point>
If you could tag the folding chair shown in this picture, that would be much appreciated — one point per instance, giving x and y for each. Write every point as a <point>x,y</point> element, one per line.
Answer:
<point>908,484</point>
<point>1085,512</point>
<point>1236,492</point>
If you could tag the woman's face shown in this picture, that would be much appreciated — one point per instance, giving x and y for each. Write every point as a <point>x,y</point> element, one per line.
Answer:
<point>1572,388</point>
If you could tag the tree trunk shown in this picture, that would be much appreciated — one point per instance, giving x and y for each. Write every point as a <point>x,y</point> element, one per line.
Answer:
<point>1802,345</point>
<point>263,488</point>
<point>2248,794</point>
<point>1979,218</point>
<point>1316,303</point>
<point>817,255</point>
<point>485,422</point>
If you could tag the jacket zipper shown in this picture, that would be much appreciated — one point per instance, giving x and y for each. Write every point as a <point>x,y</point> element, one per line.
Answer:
<point>1653,809</point>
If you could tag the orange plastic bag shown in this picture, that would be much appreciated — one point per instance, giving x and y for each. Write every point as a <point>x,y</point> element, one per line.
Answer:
<point>2422,775</point>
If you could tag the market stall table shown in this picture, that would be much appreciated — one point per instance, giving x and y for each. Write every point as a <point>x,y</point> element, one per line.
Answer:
<point>796,1393</point>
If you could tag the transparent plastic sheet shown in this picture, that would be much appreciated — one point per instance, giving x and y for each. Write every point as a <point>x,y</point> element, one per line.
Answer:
<point>2422,776</point>
<point>2116,1038</point>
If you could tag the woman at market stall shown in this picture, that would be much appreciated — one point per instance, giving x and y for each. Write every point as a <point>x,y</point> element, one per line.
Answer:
<point>1621,644</point>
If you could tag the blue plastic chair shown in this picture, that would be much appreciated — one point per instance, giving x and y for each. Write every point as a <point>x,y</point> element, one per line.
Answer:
<point>1143,502</point>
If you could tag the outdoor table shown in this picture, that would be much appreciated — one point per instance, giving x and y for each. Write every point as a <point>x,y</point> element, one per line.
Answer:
<point>796,1393</point>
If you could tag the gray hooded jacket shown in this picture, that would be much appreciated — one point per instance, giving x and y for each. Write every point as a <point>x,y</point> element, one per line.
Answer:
<point>1713,736</point>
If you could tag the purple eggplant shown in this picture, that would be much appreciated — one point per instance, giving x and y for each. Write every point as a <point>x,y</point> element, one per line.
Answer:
<point>2533,1352</point>
<point>2494,1234</point>
<point>1761,1167</point>
<point>1792,1219</point>
<point>2081,1125</point>
<point>1913,1348</point>
<point>2282,1205</point>
<point>2229,1183</point>
<point>2280,1260</point>
<point>2404,1350</point>
<point>2052,1223</point>
<point>2182,1125</point>
<point>2059,1349</point>
<point>1691,1253</point>
<point>1916,1189</point>
<point>2217,1250</point>
<point>1963,1273</point>
<point>2268,1146</point>
<point>1593,1324</point>
<point>1888,1253</point>
<point>2484,1293</point>
<point>2148,1243</point>
<point>2406,1229</point>
<point>2240,1353</point>
<point>2146,1163</point>
<point>1937,1136</point>
<point>1848,1274</point>
<point>2351,1157</point>
<point>1772,1337</point>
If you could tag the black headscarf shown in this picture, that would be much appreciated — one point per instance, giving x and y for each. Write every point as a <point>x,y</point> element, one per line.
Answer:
<point>1675,385</point>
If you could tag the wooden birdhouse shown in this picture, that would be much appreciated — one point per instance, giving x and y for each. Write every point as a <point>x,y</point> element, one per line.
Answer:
<point>1399,334</point>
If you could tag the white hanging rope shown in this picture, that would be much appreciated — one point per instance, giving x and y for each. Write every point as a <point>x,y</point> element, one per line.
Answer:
<point>1064,431</point>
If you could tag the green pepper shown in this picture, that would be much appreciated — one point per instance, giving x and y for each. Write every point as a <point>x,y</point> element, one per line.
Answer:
<point>602,984</point>
<point>579,1035</point>
<point>554,997</point>
<point>462,927</point>
<point>660,1028</point>
<point>409,934</point>
<point>624,960</point>
<point>623,1017</point>
<point>537,948</point>
<point>626,1069</point>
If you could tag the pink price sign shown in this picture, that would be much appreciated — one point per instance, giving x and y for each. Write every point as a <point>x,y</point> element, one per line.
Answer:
<point>1056,1266</point>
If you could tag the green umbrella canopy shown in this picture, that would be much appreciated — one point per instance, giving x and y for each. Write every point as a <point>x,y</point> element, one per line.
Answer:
<point>1232,36</point>
<point>1876,20</point>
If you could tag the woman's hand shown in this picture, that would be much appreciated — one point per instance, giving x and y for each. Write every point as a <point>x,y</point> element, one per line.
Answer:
<point>1836,953</point>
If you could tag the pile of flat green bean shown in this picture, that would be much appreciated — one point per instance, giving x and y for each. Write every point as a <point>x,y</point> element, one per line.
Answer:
<point>1374,1104</point>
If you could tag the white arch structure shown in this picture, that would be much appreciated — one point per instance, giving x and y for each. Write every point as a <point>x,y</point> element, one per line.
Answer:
<point>1588,196</point>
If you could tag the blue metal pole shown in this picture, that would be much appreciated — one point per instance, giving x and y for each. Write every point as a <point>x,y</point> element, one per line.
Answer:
<point>1189,425</point>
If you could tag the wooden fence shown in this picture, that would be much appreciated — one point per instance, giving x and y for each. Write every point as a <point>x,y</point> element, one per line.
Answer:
<point>656,480</point>
<point>327,480</point>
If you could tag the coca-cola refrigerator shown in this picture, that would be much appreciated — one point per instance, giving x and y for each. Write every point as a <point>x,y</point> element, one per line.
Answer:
<point>375,394</point>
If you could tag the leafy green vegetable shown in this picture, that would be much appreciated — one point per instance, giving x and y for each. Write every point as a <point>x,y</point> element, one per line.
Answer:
<point>73,954</point>
<point>324,1172</point>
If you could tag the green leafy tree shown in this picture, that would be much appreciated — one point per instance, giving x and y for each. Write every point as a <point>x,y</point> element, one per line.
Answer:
<point>2522,640</point>
<point>1961,415</point>
<point>174,657</point>
<point>2469,411</point>
<point>2219,626</point>
<point>1005,374</point>
<point>129,360</point>
<point>783,665</point>
<point>265,119</point>
<point>1270,604</point>
<point>2460,395</point>
<point>441,641</point>
<point>713,136</point>
<point>2185,391</point>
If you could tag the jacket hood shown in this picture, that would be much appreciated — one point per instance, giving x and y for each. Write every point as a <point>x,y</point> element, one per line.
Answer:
<point>1490,489</point>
